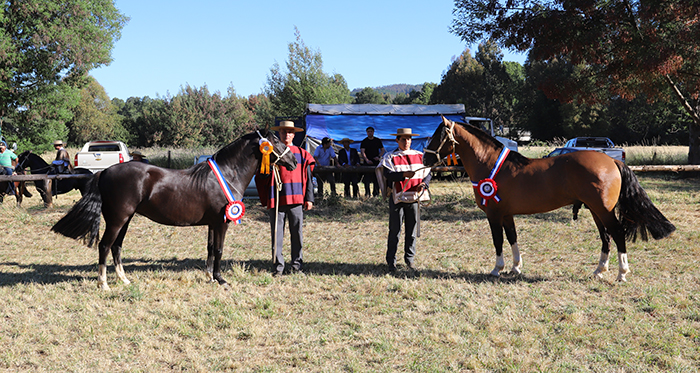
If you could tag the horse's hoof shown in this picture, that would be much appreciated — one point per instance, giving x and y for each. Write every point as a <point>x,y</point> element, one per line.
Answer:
<point>104,286</point>
<point>515,271</point>
<point>621,278</point>
<point>495,273</point>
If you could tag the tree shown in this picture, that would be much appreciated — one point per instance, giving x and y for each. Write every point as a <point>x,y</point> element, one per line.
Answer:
<point>304,82</point>
<point>482,83</point>
<point>95,117</point>
<point>369,96</point>
<point>46,45</point>
<point>622,48</point>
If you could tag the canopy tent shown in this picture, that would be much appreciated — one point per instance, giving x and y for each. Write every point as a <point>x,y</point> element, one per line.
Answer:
<point>351,121</point>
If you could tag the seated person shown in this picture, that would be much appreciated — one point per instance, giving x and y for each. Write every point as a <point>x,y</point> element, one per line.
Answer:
<point>347,158</point>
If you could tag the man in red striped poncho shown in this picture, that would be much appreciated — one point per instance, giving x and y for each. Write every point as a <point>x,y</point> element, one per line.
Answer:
<point>404,168</point>
<point>295,196</point>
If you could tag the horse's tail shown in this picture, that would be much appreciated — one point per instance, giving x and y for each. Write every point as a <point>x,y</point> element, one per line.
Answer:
<point>82,221</point>
<point>637,212</point>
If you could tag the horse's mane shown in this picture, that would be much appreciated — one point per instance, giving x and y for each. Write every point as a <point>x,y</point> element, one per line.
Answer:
<point>489,141</point>
<point>200,172</point>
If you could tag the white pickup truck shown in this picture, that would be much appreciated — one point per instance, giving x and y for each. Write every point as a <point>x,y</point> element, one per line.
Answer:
<point>98,155</point>
<point>601,144</point>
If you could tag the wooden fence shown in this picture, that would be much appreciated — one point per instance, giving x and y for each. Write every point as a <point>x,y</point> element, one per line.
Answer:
<point>325,169</point>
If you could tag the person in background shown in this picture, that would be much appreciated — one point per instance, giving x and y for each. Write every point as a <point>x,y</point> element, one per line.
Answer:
<point>62,161</point>
<point>348,158</point>
<point>404,171</point>
<point>325,156</point>
<point>137,156</point>
<point>372,150</point>
<point>8,161</point>
<point>295,196</point>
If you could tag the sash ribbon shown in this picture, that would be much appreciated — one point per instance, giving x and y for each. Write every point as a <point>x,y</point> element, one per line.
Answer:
<point>487,188</point>
<point>235,209</point>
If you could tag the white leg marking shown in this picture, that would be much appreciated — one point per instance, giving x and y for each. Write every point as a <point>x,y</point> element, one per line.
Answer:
<point>602,265</point>
<point>517,260</point>
<point>500,264</point>
<point>624,267</point>
<point>121,274</point>
<point>102,277</point>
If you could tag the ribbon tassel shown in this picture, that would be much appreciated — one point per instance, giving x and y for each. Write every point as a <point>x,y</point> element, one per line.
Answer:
<point>266,150</point>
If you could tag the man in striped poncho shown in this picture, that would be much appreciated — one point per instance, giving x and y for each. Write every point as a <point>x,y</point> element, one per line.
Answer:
<point>404,168</point>
<point>295,196</point>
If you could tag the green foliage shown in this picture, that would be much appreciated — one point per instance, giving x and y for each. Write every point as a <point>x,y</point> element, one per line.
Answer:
<point>46,49</point>
<point>95,117</point>
<point>303,82</point>
<point>370,96</point>
<point>620,49</point>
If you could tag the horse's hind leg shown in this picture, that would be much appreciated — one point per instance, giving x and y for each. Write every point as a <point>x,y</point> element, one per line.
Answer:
<point>511,234</point>
<point>117,253</point>
<point>611,227</point>
<point>109,237</point>
<point>605,249</point>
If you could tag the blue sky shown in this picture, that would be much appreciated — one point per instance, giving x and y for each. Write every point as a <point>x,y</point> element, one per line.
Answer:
<point>169,44</point>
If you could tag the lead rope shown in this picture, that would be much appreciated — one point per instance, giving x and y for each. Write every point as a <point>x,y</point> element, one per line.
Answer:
<point>278,186</point>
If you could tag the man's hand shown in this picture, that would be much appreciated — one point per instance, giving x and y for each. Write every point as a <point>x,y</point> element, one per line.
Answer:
<point>308,205</point>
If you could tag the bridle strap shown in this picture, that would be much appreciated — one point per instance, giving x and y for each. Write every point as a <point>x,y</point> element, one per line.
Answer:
<point>449,136</point>
<point>286,148</point>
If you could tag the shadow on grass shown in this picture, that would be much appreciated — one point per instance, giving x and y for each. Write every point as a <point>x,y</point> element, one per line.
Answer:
<point>380,270</point>
<point>49,274</point>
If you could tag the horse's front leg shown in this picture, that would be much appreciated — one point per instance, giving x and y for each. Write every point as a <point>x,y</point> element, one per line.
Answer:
<point>218,235</point>
<point>210,254</point>
<point>496,224</point>
<point>511,234</point>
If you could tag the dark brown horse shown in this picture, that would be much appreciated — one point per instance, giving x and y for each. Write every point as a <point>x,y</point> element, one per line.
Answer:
<point>37,165</point>
<point>172,197</point>
<point>520,185</point>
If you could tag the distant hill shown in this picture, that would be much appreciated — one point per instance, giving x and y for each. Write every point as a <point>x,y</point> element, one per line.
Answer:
<point>393,90</point>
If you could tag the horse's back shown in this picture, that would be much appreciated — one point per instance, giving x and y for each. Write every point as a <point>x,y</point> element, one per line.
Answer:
<point>549,183</point>
<point>163,195</point>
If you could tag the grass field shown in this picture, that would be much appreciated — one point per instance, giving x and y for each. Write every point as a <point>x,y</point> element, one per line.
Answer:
<point>347,314</point>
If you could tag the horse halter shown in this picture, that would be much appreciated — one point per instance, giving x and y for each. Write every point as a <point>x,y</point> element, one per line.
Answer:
<point>449,136</point>
<point>272,149</point>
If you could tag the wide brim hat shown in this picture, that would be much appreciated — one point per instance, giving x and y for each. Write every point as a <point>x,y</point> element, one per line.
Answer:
<point>346,140</point>
<point>286,124</point>
<point>404,132</point>
<point>58,142</point>
<point>136,152</point>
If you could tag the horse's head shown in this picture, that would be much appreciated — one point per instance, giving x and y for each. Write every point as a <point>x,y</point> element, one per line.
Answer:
<point>22,161</point>
<point>441,143</point>
<point>280,152</point>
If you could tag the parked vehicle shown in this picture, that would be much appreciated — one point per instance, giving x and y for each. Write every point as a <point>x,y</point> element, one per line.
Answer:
<point>560,151</point>
<point>98,155</point>
<point>602,144</point>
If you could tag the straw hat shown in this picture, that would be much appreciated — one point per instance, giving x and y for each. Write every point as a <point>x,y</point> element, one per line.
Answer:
<point>58,142</point>
<point>404,132</point>
<point>346,140</point>
<point>286,124</point>
<point>136,152</point>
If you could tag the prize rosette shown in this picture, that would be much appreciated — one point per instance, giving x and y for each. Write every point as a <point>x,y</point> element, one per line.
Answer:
<point>487,188</point>
<point>235,211</point>
<point>266,150</point>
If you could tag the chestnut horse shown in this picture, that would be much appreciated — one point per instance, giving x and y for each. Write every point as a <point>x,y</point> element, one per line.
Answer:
<point>172,197</point>
<point>507,184</point>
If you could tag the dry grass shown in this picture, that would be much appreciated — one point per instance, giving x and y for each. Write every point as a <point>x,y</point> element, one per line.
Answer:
<point>347,314</point>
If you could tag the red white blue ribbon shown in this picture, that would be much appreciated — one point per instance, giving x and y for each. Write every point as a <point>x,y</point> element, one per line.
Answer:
<point>487,188</point>
<point>235,209</point>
